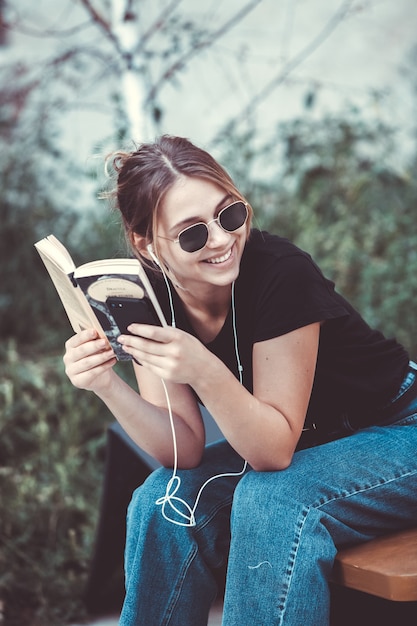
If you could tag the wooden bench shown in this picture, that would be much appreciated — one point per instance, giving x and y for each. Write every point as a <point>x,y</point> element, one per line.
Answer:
<point>385,567</point>
<point>376,582</point>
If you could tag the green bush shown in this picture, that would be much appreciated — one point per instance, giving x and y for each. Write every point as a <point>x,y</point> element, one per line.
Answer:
<point>344,199</point>
<point>52,457</point>
<point>52,435</point>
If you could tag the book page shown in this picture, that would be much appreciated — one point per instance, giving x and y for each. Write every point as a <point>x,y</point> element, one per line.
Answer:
<point>56,252</point>
<point>76,307</point>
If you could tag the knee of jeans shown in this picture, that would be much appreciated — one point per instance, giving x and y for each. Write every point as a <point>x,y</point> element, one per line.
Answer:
<point>261,490</point>
<point>144,497</point>
<point>155,482</point>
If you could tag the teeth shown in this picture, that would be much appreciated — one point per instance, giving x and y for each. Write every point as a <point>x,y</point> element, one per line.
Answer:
<point>220,259</point>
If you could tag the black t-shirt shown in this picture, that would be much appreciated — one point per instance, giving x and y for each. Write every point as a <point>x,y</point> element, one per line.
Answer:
<point>280,289</point>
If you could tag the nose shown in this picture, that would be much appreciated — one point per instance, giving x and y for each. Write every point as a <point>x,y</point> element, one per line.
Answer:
<point>216,235</point>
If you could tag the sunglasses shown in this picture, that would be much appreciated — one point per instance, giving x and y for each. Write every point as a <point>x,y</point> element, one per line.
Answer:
<point>231,218</point>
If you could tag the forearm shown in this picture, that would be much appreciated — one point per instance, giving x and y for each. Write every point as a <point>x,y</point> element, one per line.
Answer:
<point>263,427</point>
<point>259,432</point>
<point>149,425</point>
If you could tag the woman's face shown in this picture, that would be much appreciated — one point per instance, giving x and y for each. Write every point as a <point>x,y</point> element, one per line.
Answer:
<point>192,200</point>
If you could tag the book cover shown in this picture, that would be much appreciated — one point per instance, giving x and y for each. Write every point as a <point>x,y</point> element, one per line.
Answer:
<point>107,295</point>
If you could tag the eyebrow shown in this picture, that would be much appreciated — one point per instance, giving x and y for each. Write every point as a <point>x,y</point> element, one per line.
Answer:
<point>189,221</point>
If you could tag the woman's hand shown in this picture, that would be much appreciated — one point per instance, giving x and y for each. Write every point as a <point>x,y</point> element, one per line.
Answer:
<point>170,353</point>
<point>89,365</point>
<point>89,361</point>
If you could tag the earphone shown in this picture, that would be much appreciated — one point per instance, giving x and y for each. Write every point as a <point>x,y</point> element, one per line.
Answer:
<point>153,255</point>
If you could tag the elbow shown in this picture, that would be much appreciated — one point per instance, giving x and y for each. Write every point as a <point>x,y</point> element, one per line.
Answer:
<point>186,461</point>
<point>187,466</point>
<point>191,457</point>
<point>189,463</point>
<point>273,464</point>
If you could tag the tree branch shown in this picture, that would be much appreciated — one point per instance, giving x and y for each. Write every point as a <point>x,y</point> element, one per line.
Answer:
<point>199,46</point>
<point>41,34</point>
<point>102,23</point>
<point>157,25</point>
<point>297,60</point>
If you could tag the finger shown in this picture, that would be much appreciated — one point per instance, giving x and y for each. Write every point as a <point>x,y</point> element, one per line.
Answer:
<point>81,337</point>
<point>155,333</point>
<point>90,362</point>
<point>86,379</point>
<point>89,352</point>
<point>165,363</point>
<point>133,343</point>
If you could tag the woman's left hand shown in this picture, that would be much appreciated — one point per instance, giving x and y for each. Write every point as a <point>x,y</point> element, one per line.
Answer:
<point>170,353</point>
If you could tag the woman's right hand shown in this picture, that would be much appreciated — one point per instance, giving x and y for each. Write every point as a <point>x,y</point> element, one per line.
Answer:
<point>89,361</point>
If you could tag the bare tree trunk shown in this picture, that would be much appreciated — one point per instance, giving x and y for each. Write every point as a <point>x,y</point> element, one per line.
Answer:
<point>133,90</point>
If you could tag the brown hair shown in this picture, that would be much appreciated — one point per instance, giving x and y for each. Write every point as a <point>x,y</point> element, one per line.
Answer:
<point>145,175</point>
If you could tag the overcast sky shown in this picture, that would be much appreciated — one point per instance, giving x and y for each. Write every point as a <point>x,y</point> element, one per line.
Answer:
<point>358,62</point>
<point>362,55</point>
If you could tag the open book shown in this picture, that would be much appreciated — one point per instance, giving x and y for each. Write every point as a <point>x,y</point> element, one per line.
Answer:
<point>107,295</point>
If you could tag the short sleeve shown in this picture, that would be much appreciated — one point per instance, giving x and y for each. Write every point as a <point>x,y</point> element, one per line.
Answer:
<point>293,293</point>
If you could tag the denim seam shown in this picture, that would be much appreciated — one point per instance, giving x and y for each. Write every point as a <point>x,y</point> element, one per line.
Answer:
<point>193,553</point>
<point>177,589</point>
<point>225,504</point>
<point>207,519</point>
<point>300,527</point>
<point>282,600</point>
<point>368,487</point>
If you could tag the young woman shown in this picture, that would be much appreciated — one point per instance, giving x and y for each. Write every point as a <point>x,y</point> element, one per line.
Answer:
<point>322,408</point>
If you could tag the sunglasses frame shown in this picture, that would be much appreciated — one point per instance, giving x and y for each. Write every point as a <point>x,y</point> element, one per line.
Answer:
<point>207,224</point>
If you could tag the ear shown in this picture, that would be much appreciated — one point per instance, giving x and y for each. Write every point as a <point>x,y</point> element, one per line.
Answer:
<point>139,242</point>
<point>144,248</point>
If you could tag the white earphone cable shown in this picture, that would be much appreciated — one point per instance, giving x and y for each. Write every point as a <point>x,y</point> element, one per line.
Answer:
<point>174,483</point>
<point>171,301</point>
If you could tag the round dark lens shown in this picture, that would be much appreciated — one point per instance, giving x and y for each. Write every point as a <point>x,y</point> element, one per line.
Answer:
<point>193,238</point>
<point>233,216</point>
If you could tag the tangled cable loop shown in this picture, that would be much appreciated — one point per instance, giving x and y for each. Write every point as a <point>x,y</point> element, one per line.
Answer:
<point>169,499</point>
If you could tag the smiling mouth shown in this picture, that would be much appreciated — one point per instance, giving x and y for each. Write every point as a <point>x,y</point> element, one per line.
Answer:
<point>220,259</point>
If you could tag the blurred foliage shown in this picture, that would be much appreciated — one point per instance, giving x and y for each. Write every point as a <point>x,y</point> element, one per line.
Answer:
<point>43,192</point>
<point>52,454</point>
<point>334,186</point>
<point>52,436</point>
<point>347,205</point>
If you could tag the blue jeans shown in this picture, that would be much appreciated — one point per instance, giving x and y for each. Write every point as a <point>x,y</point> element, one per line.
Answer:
<point>283,530</point>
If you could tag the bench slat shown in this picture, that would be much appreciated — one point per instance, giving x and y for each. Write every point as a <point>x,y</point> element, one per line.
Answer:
<point>385,567</point>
